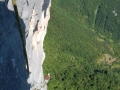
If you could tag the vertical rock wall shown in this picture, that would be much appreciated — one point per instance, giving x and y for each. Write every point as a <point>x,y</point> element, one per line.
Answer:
<point>13,73</point>
<point>34,17</point>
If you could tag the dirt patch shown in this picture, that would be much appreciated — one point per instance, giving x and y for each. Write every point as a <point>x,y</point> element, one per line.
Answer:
<point>116,66</point>
<point>107,59</point>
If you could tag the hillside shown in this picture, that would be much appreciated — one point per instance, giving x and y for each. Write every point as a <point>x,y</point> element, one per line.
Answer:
<point>82,45</point>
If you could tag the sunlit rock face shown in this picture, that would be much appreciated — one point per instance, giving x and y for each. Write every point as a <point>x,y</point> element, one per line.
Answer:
<point>34,17</point>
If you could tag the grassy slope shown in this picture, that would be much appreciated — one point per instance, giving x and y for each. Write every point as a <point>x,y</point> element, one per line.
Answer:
<point>72,50</point>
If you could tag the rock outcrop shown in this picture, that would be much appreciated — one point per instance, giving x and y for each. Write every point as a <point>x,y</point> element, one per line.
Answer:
<point>34,17</point>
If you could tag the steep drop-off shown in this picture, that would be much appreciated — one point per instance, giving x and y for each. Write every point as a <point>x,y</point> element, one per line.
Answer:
<point>34,16</point>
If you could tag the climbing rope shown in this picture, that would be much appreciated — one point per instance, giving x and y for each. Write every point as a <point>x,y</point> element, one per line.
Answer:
<point>21,33</point>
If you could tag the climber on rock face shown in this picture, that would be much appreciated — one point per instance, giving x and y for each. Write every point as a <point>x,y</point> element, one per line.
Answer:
<point>47,78</point>
<point>43,84</point>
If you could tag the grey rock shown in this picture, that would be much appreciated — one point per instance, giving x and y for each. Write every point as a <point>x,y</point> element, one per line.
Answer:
<point>13,73</point>
<point>11,49</point>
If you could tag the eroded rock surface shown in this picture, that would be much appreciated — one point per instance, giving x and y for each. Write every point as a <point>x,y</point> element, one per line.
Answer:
<point>34,16</point>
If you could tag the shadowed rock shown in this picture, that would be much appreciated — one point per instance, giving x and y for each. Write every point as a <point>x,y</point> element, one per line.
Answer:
<point>13,73</point>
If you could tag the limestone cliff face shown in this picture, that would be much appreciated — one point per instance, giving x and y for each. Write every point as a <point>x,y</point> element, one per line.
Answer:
<point>34,17</point>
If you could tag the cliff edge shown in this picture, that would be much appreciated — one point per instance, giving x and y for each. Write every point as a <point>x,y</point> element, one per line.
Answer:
<point>34,16</point>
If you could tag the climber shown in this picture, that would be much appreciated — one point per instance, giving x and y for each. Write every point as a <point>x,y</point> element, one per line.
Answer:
<point>47,78</point>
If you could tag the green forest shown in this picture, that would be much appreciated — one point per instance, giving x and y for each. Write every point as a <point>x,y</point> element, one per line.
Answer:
<point>82,45</point>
